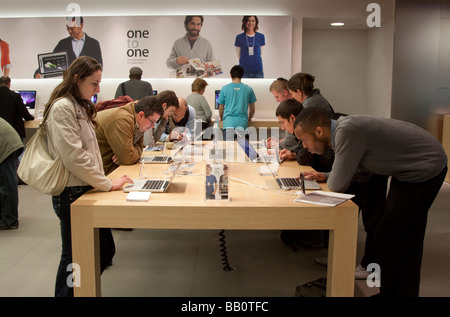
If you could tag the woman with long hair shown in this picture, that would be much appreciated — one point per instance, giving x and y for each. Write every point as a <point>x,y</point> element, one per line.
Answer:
<point>71,136</point>
<point>249,46</point>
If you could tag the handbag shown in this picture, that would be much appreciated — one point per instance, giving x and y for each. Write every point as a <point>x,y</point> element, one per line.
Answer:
<point>38,169</point>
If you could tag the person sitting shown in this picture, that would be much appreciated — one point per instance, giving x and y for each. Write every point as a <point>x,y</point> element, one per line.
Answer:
<point>199,103</point>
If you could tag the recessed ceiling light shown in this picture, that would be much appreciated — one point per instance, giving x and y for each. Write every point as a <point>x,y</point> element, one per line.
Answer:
<point>337,24</point>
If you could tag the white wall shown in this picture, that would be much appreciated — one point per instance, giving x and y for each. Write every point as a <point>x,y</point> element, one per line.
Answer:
<point>380,51</point>
<point>338,61</point>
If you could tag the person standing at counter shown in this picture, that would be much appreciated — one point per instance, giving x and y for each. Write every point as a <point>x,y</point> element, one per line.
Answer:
<point>249,46</point>
<point>71,136</point>
<point>414,159</point>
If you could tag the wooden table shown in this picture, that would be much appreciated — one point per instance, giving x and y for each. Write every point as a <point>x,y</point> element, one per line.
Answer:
<point>183,207</point>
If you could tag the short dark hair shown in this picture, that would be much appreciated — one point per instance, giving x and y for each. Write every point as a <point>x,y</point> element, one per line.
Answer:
<point>302,81</point>
<point>169,97</point>
<point>244,22</point>
<point>4,80</point>
<point>149,105</point>
<point>188,19</point>
<point>237,72</point>
<point>289,107</point>
<point>312,117</point>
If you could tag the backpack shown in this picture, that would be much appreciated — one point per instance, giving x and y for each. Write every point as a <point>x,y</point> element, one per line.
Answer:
<point>114,103</point>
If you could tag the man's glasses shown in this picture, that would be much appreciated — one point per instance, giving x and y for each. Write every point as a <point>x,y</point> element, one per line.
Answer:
<point>151,121</point>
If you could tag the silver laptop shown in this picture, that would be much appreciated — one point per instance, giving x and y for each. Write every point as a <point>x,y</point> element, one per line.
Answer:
<point>251,153</point>
<point>292,182</point>
<point>152,185</point>
<point>156,159</point>
<point>167,158</point>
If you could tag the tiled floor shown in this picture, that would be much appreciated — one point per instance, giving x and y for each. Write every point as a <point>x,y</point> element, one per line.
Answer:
<point>188,263</point>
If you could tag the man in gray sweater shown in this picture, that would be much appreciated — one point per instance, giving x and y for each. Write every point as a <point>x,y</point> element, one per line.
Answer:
<point>191,45</point>
<point>417,164</point>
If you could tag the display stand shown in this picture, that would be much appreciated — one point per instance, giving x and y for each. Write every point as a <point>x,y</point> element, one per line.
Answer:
<point>217,181</point>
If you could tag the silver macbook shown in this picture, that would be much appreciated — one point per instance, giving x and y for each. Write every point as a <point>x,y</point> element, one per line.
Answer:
<point>152,185</point>
<point>156,159</point>
<point>251,153</point>
<point>292,182</point>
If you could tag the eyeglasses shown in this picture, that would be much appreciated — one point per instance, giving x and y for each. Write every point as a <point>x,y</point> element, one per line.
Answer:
<point>151,121</point>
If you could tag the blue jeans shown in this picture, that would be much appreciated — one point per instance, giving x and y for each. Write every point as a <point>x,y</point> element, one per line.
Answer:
<point>9,195</point>
<point>254,75</point>
<point>61,205</point>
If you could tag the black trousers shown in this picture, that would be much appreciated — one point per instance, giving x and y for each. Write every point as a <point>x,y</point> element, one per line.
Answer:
<point>399,234</point>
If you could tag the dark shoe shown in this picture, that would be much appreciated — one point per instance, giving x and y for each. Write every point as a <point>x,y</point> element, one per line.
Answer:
<point>21,182</point>
<point>4,226</point>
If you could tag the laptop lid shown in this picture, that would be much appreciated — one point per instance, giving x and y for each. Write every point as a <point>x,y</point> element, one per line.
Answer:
<point>53,64</point>
<point>249,150</point>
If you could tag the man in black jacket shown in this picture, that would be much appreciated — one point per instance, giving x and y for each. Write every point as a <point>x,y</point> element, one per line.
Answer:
<point>77,44</point>
<point>12,108</point>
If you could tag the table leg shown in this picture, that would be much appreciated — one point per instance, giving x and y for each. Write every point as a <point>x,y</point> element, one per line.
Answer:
<point>85,253</point>
<point>342,255</point>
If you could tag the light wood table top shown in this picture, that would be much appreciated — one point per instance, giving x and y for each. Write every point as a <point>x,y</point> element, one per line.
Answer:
<point>183,207</point>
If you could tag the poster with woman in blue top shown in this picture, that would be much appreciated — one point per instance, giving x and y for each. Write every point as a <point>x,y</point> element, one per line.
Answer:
<point>249,45</point>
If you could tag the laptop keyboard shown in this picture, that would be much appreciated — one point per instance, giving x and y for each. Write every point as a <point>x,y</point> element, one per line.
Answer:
<point>160,158</point>
<point>153,184</point>
<point>288,182</point>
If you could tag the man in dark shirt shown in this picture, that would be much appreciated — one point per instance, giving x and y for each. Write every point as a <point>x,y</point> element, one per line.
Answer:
<point>77,44</point>
<point>12,108</point>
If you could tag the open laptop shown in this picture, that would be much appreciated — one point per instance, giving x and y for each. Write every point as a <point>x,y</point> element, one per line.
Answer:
<point>157,159</point>
<point>53,64</point>
<point>253,155</point>
<point>292,182</point>
<point>167,158</point>
<point>152,185</point>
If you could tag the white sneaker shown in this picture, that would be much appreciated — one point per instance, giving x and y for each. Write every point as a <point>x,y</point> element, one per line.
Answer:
<point>361,273</point>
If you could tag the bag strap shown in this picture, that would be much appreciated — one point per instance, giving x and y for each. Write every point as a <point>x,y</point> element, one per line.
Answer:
<point>42,124</point>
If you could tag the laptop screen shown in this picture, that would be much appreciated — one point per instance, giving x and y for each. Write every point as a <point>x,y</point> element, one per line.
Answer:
<point>216,99</point>
<point>53,63</point>
<point>28,97</point>
<point>248,148</point>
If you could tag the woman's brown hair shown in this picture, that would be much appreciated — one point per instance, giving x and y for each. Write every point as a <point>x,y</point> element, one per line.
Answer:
<point>83,67</point>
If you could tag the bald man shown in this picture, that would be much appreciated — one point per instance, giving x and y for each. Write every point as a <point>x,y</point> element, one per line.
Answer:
<point>181,122</point>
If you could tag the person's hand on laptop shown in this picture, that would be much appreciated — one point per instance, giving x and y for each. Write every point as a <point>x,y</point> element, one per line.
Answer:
<point>287,155</point>
<point>317,176</point>
<point>272,143</point>
<point>119,182</point>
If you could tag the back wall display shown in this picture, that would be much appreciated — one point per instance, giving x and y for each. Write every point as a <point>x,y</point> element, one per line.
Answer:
<point>146,42</point>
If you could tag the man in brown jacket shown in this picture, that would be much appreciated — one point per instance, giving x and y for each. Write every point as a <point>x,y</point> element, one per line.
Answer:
<point>120,131</point>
